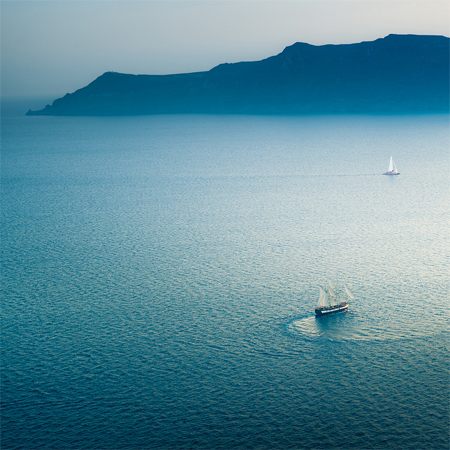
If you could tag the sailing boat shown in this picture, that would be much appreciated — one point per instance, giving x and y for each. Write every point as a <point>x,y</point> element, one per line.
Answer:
<point>392,168</point>
<point>331,300</point>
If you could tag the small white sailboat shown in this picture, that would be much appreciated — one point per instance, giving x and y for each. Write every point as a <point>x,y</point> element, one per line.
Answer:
<point>392,168</point>
<point>331,300</point>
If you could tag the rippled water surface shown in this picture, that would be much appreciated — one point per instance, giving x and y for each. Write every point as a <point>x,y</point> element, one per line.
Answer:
<point>160,276</point>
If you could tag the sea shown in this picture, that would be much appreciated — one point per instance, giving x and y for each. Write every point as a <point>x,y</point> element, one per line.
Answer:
<point>160,274</point>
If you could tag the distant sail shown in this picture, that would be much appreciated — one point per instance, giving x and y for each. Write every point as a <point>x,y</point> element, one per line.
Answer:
<point>350,295</point>
<point>392,168</point>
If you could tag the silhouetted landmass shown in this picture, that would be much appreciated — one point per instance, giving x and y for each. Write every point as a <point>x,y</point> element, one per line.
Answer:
<point>396,74</point>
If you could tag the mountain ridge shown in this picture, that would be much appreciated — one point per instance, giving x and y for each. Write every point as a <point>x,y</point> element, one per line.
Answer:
<point>395,74</point>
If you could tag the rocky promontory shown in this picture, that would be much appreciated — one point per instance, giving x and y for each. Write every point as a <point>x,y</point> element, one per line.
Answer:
<point>395,74</point>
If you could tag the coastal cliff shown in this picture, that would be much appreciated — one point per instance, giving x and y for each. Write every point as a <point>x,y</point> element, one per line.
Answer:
<point>396,74</point>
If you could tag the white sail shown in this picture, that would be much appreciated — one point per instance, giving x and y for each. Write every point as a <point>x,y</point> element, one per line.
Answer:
<point>332,294</point>
<point>331,289</point>
<point>349,294</point>
<point>323,301</point>
<point>391,165</point>
<point>395,168</point>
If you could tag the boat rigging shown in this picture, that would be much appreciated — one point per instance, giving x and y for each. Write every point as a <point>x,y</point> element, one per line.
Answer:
<point>331,300</point>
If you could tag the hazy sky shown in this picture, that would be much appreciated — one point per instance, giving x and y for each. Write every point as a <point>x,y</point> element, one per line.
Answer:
<point>56,46</point>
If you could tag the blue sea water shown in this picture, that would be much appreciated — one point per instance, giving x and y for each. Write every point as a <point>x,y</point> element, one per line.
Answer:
<point>160,276</point>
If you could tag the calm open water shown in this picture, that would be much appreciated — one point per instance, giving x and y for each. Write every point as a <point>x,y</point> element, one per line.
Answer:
<point>160,276</point>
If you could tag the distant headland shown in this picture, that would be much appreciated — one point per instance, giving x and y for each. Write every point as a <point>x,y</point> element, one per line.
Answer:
<point>395,75</point>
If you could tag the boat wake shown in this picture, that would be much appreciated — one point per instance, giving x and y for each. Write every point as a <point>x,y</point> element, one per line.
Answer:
<point>348,326</point>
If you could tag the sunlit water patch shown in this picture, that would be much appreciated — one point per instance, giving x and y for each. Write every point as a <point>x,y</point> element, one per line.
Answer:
<point>160,276</point>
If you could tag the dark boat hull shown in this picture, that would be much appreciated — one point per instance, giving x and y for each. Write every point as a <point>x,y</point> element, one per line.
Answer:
<point>391,173</point>
<point>331,309</point>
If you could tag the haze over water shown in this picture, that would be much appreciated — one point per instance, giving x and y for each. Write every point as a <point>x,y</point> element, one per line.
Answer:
<point>160,276</point>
